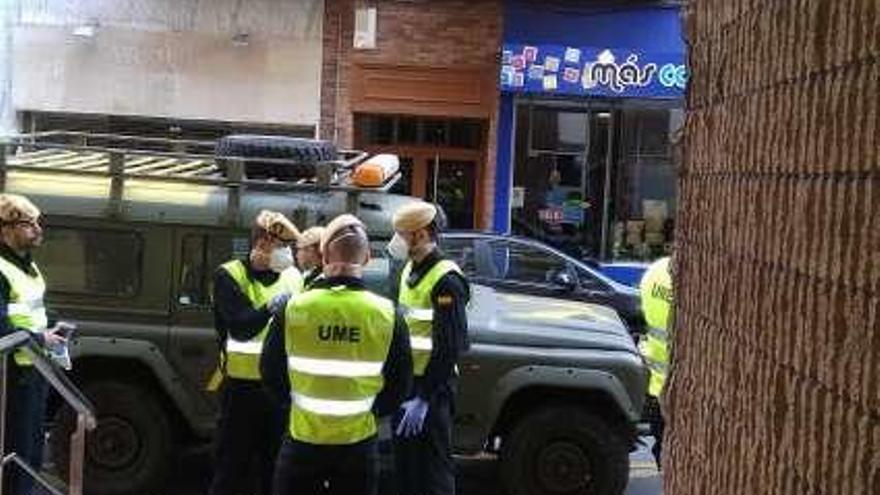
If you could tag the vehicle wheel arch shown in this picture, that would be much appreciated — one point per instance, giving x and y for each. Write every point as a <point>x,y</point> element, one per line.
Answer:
<point>526,389</point>
<point>140,363</point>
<point>95,368</point>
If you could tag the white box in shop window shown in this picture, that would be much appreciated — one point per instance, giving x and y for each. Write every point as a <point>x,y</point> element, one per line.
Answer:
<point>518,198</point>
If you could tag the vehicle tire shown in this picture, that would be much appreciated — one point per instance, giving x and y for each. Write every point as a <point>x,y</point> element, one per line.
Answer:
<point>564,451</point>
<point>130,450</point>
<point>303,154</point>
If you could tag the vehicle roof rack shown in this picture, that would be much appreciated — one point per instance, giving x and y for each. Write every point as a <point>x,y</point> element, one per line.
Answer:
<point>122,157</point>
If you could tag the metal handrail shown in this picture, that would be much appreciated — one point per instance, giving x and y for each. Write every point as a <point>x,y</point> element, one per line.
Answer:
<point>85,412</point>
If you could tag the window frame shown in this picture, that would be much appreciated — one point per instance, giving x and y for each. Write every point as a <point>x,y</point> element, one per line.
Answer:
<point>139,280</point>
<point>204,236</point>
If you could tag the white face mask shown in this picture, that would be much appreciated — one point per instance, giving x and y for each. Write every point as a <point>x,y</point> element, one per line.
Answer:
<point>398,248</point>
<point>281,259</point>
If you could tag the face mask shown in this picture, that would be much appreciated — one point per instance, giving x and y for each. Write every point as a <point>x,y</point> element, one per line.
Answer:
<point>398,248</point>
<point>281,259</point>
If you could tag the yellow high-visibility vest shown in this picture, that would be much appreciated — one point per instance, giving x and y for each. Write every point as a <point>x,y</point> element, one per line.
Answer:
<point>657,297</point>
<point>25,308</point>
<point>243,357</point>
<point>418,310</point>
<point>337,341</point>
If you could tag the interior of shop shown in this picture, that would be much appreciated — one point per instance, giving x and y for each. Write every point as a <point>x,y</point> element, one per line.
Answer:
<point>596,178</point>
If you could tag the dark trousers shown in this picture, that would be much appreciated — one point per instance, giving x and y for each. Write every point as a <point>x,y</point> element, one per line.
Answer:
<point>655,419</point>
<point>306,469</point>
<point>250,431</point>
<point>424,462</point>
<point>26,396</point>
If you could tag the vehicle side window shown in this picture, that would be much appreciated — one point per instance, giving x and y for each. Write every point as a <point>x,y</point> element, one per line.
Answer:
<point>202,254</point>
<point>461,251</point>
<point>522,263</point>
<point>92,262</point>
<point>588,280</point>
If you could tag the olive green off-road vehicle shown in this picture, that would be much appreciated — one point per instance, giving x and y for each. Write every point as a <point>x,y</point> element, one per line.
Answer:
<point>134,230</point>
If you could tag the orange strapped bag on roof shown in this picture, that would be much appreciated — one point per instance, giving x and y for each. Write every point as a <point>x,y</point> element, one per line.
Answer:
<point>376,170</point>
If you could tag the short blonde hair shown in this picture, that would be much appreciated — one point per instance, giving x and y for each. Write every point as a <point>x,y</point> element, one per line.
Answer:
<point>17,208</point>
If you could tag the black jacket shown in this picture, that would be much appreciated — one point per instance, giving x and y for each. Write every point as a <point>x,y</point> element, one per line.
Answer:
<point>449,333</point>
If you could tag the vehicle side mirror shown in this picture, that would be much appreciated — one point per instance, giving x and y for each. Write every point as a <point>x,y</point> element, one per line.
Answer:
<point>565,280</point>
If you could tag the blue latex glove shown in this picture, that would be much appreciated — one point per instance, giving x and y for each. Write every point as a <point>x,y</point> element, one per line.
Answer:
<point>278,303</point>
<point>414,412</point>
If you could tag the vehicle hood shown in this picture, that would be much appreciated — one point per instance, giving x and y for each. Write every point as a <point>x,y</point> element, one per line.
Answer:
<point>516,319</point>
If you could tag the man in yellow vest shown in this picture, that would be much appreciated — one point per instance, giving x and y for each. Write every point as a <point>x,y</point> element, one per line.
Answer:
<point>657,298</point>
<point>247,292</point>
<point>22,290</point>
<point>308,255</point>
<point>433,295</point>
<point>342,356</point>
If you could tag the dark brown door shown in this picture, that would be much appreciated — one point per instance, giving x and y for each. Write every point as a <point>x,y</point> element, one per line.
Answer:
<point>452,184</point>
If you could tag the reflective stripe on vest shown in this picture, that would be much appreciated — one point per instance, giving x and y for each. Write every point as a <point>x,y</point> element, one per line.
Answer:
<point>337,341</point>
<point>418,310</point>
<point>655,352</point>
<point>243,358</point>
<point>329,407</point>
<point>25,308</point>
<point>657,297</point>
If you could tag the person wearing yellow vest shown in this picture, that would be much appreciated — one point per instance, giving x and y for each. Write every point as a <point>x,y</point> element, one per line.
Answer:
<point>22,290</point>
<point>433,295</point>
<point>308,255</point>
<point>657,298</point>
<point>341,355</point>
<point>247,293</point>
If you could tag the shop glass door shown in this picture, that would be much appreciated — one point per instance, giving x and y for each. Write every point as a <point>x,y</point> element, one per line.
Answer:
<point>563,176</point>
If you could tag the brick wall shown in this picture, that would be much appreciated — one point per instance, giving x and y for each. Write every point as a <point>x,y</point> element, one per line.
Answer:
<point>775,385</point>
<point>446,33</point>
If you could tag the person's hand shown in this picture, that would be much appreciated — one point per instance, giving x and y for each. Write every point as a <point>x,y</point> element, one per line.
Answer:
<point>414,413</point>
<point>57,335</point>
<point>278,303</point>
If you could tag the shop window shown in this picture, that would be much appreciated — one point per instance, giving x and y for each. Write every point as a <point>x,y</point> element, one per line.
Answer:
<point>143,126</point>
<point>556,130</point>
<point>201,255</point>
<point>407,130</point>
<point>92,262</point>
<point>377,129</point>
<point>404,184</point>
<point>645,192</point>
<point>563,158</point>
<point>390,130</point>
<point>465,134</point>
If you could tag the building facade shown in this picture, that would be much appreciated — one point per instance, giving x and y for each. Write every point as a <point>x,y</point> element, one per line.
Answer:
<point>426,89</point>
<point>552,119</point>
<point>156,65</point>
<point>592,96</point>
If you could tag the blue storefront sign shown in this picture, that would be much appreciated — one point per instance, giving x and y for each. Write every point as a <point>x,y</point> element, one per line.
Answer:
<point>590,71</point>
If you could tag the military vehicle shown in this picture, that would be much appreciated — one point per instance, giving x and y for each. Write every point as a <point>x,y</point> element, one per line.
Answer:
<point>134,230</point>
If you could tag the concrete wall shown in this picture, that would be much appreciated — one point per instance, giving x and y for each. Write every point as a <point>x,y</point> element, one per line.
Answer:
<point>175,58</point>
<point>8,14</point>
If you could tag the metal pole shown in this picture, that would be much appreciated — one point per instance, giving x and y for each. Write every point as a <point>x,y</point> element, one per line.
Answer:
<point>4,361</point>
<point>117,169</point>
<point>606,200</point>
<point>77,456</point>
<point>3,149</point>
<point>235,176</point>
